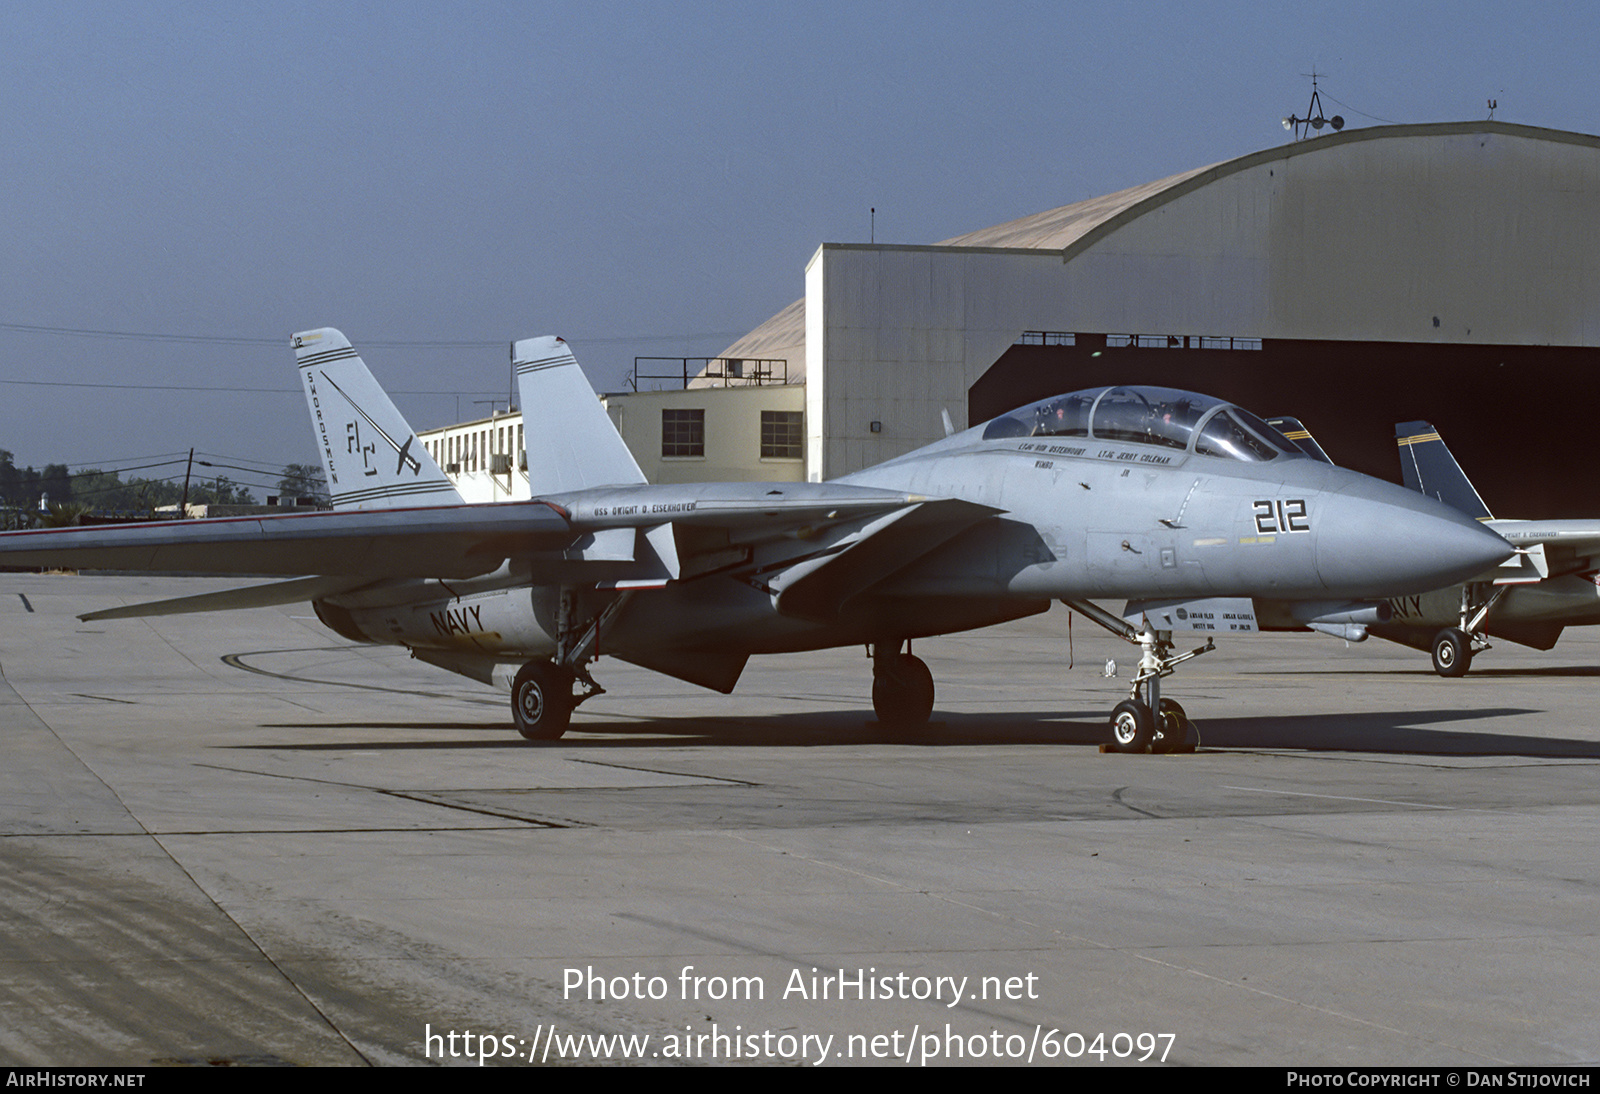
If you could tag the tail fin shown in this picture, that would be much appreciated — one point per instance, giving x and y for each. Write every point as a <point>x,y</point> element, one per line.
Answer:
<point>1299,436</point>
<point>571,443</point>
<point>1427,467</point>
<point>373,459</point>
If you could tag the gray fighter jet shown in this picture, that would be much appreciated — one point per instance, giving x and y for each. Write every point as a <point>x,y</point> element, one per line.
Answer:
<point>1553,581</point>
<point>1549,586</point>
<point>1187,502</point>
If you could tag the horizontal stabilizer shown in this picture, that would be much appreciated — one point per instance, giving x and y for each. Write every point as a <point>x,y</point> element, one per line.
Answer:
<point>1427,467</point>
<point>297,591</point>
<point>571,444</point>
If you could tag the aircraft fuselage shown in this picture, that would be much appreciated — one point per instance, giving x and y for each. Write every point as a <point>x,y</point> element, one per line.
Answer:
<point>1073,518</point>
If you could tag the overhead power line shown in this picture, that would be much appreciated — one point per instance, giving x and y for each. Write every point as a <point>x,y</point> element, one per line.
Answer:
<point>225,340</point>
<point>203,387</point>
<point>391,343</point>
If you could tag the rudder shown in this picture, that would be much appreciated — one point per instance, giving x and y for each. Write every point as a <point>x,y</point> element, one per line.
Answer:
<point>371,454</point>
<point>1427,467</point>
<point>571,443</point>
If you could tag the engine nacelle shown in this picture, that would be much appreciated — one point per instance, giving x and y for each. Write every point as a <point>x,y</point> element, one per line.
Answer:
<point>503,624</point>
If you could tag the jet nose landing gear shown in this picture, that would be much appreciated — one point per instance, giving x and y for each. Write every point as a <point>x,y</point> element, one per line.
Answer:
<point>1145,722</point>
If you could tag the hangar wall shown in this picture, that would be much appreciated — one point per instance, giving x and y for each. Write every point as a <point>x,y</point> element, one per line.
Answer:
<point>1467,234</point>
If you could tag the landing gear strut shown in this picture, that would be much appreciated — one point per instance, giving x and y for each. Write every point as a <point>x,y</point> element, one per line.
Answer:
<point>902,687</point>
<point>1145,722</point>
<point>545,693</point>
<point>1453,647</point>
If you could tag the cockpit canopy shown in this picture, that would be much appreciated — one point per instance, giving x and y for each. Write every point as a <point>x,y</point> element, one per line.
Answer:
<point>1158,416</point>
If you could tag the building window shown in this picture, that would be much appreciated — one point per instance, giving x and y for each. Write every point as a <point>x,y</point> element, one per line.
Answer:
<point>781,434</point>
<point>683,433</point>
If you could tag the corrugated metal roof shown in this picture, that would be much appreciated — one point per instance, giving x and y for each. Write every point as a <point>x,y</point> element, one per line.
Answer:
<point>1056,229</point>
<point>1066,226</point>
<point>784,335</point>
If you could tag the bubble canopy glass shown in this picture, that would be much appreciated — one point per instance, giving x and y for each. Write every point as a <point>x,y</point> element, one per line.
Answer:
<point>1160,416</point>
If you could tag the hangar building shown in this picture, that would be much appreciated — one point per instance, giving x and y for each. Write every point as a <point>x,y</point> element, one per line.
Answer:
<point>1446,272</point>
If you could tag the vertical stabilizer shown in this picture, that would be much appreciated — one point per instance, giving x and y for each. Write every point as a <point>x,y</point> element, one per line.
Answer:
<point>1427,467</point>
<point>1299,436</point>
<point>571,443</point>
<point>373,459</point>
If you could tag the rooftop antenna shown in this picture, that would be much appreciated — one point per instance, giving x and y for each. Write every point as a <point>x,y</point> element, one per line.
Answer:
<point>873,229</point>
<point>1314,118</point>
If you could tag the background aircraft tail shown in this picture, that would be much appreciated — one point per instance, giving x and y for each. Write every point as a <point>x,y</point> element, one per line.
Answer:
<point>1299,436</point>
<point>372,457</point>
<point>571,443</point>
<point>1427,467</point>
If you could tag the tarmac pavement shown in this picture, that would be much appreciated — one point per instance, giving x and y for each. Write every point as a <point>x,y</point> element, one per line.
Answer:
<point>236,838</point>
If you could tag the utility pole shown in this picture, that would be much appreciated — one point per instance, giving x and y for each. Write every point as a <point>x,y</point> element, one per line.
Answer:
<point>183,506</point>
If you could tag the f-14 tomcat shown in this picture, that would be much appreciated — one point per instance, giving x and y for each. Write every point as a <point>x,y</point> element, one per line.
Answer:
<point>1164,496</point>
<point>1552,586</point>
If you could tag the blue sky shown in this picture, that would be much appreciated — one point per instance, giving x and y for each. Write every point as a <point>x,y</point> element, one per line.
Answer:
<point>643,179</point>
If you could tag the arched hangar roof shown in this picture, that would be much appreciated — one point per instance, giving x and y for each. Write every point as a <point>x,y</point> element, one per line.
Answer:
<point>1051,230</point>
<point>1469,231</point>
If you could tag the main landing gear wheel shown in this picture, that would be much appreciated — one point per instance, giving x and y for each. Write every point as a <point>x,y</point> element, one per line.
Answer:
<point>1174,731</point>
<point>541,701</point>
<point>1133,727</point>
<point>902,691</point>
<point>1452,653</point>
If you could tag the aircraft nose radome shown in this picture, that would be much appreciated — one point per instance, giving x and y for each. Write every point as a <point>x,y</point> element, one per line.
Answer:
<point>1400,543</point>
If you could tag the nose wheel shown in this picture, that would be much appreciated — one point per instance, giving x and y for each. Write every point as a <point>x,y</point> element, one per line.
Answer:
<point>1174,731</point>
<point>1136,728</point>
<point>1146,722</point>
<point>1133,727</point>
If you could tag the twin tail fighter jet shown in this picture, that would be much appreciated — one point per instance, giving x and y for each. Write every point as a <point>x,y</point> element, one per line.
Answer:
<point>1183,503</point>
<point>1550,584</point>
<point>1553,584</point>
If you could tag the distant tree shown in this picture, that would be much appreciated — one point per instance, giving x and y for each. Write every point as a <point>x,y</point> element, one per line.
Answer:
<point>63,513</point>
<point>219,491</point>
<point>304,480</point>
<point>10,480</point>
<point>19,486</point>
<point>105,491</point>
